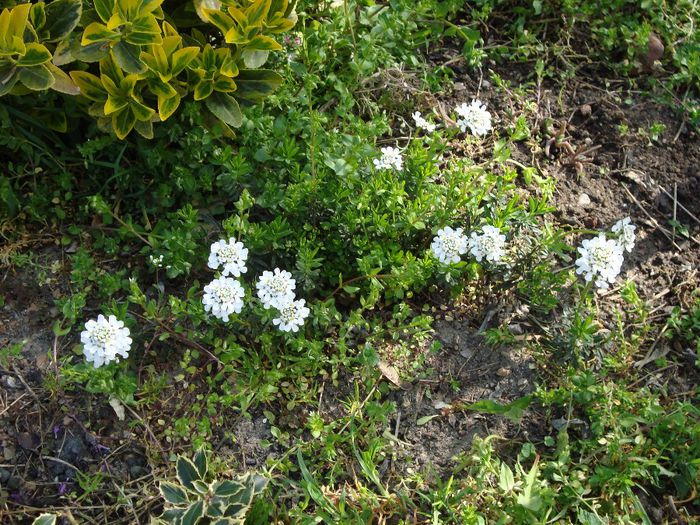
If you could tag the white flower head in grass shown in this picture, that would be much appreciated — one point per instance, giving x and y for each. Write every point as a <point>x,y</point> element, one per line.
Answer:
<point>448,245</point>
<point>474,116</point>
<point>422,123</point>
<point>601,259</point>
<point>291,316</point>
<point>488,245</point>
<point>231,255</point>
<point>104,340</point>
<point>625,233</point>
<point>276,288</point>
<point>223,297</point>
<point>391,158</point>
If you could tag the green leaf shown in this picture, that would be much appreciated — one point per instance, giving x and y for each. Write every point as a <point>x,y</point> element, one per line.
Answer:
<point>256,84</point>
<point>104,8</point>
<point>506,479</point>
<point>425,419</point>
<point>186,472</point>
<point>253,58</point>
<point>45,519</point>
<point>97,32</point>
<point>37,15</point>
<point>123,122</point>
<point>513,411</point>
<point>62,17</point>
<point>90,86</point>
<point>182,58</point>
<point>9,204</point>
<point>193,513</point>
<point>225,108</point>
<point>8,79</point>
<point>34,55</point>
<point>89,53</point>
<point>36,78</point>
<point>63,83</point>
<point>264,43</point>
<point>172,493</point>
<point>256,13</point>
<point>228,488</point>
<point>201,463</point>
<point>144,31</point>
<point>202,5</point>
<point>127,57</point>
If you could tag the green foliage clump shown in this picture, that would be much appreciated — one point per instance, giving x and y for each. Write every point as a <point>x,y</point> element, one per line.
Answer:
<point>129,64</point>
<point>199,498</point>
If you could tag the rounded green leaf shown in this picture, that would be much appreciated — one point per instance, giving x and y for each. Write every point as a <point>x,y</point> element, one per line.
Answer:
<point>62,18</point>
<point>225,108</point>
<point>36,78</point>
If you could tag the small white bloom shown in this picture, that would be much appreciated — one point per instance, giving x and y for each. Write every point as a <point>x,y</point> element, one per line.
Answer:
<point>156,262</point>
<point>223,297</point>
<point>391,158</point>
<point>449,244</point>
<point>230,254</point>
<point>474,116</point>
<point>104,340</point>
<point>625,233</point>
<point>291,316</point>
<point>422,123</point>
<point>489,245</point>
<point>276,288</point>
<point>601,259</point>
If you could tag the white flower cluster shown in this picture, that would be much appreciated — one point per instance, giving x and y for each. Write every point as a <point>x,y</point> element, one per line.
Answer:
<point>391,158</point>
<point>276,290</point>
<point>231,255</point>
<point>224,296</point>
<point>600,259</point>
<point>104,340</point>
<point>474,116</point>
<point>449,244</point>
<point>422,123</point>
<point>489,245</point>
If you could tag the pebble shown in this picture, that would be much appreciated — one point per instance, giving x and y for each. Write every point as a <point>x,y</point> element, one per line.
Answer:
<point>503,372</point>
<point>584,200</point>
<point>9,381</point>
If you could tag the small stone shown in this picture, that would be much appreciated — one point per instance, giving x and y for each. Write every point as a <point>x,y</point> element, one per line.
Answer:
<point>586,110</point>
<point>515,329</point>
<point>9,381</point>
<point>503,372</point>
<point>584,200</point>
<point>459,86</point>
<point>485,84</point>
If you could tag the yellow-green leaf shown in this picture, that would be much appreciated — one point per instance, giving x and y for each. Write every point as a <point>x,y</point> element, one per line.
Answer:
<point>141,111</point>
<point>104,8</point>
<point>37,15</point>
<point>144,128</point>
<point>89,85</point>
<point>123,122</point>
<point>114,104</point>
<point>62,18</point>
<point>203,89</point>
<point>34,55</point>
<point>63,83</point>
<point>257,12</point>
<point>18,20</point>
<point>182,58</point>
<point>219,19</point>
<point>225,108</point>
<point>127,57</point>
<point>97,32</point>
<point>36,78</point>
<point>167,106</point>
<point>264,43</point>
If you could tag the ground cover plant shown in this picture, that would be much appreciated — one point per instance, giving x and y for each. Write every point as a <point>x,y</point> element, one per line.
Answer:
<point>446,272</point>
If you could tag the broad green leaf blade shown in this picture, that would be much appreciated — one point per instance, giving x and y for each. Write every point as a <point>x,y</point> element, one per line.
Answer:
<point>201,463</point>
<point>35,54</point>
<point>36,78</point>
<point>45,519</point>
<point>63,83</point>
<point>172,493</point>
<point>253,58</point>
<point>90,86</point>
<point>256,84</point>
<point>193,513</point>
<point>123,122</point>
<point>127,57</point>
<point>186,472</point>
<point>62,18</point>
<point>225,108</point>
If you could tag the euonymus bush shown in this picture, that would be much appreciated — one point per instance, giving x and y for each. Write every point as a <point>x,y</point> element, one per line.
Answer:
<point>131,66</point>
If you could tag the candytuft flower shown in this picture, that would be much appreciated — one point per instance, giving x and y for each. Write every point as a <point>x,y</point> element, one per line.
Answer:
<point>391,158</point>
<point>601,259</point>
<point>104,340</point>
<point>625,233</point>
<point>230,254</point>
<point>422,123</point>
<point>223,297</point>
<point>474,116</point>
<point>276,288</point>
<point>448,245</point>
<point>489,245</point>
<point>291,316</point>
